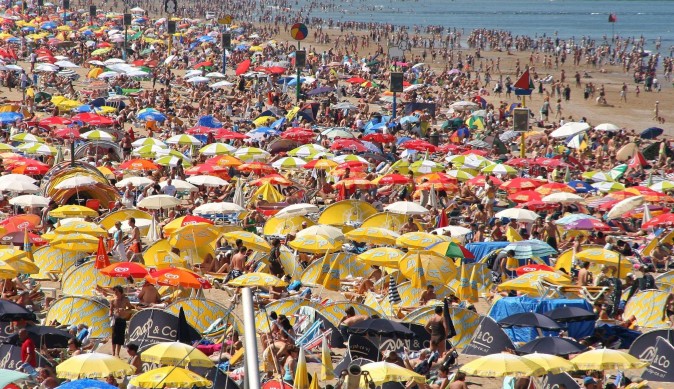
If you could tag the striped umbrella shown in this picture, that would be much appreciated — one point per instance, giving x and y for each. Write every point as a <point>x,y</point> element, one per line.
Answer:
<point>183,139</point>
<point>217,149</point>
<point>526,249</point>
<point>37,148</point>
<point>148,141</point>
<point>289,163</point>
<point>97,135</point>
<point>663,186</point>
<point>249,154</point>
<point>148,151</point>
<point>393,295</point>
<point>426,166</point>
<point>172,161</point>
<point>597,176</point>
<point>460,174</point>
<point>306,151</point>
<point>26,137</point>
<point>500,169</point>
<point>608,186</point>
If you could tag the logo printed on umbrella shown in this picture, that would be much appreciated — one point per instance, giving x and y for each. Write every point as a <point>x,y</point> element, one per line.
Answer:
<point>117,269</point>
<point>172,276</point>
<point>23,226</point>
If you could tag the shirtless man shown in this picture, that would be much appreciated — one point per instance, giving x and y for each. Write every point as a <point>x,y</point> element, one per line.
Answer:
<point>584,275</point>
<point>551,234</point>
<point>437,328</point>
<point>134,357</point>
<point>238,263</point>
<point>349,320</point>
<point>459,381</point>
<point>148,295</point>
<point>427,295</point>
<point>409,226</point>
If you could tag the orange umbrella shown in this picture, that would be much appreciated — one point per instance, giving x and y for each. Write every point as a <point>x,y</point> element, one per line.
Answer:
<point>258,168</point>
<point>525,196</point>
<point>521,184</point>
<point>621,194</point>
<point>138,164</point>
<point>224,161</point>
<point>649,194</point>
<point>178,276</point>
<point>352,173</point>
<point>207,169</point>
<point>20,223</point>
<point>322,164</point>
<point>356,183</point>
<point>446,186</point>
<point>436,177</point>
<point>274,179</point>
<point>554,187</point>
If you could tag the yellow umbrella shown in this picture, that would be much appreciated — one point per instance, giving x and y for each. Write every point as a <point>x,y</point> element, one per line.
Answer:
<point>347,212</point>
<point>93,365</point>
<point>23,266</point>
<point>9,254</point>
<point>175,354</point>
<point>284,226</point>
<point>327,371</point>
<point>373,235</point>
<point>75,242</point>
<point>250,240</point>
<point>382,256</point>
<point>602,256</point>
<point>425,265</point>
<point>502,365</point>
<point>192,236</point>
<point>301,380</point>
<point>72,211</point>
<point>463,292</point>
<point>419,240</point>
<point>268,193</point>
<point>314,381</point>
<point>382,372</point>
<point>316,244</point>
<point>81,227</point>
<point>257,279</point>
<point>94,73</point>
<point>262,120</point>
<point>528,283</point>
<point>607,359</point>
<point>551,363</point>
<point>171,377</point>
<point>7,271</point>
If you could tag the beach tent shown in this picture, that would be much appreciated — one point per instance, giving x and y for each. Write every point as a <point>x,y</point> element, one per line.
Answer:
<point>647,306</point>
<point>201,313</point>
<point>82,280</point>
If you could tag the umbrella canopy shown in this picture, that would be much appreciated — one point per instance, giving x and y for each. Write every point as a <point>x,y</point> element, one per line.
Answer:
<point>86,384</point>
<point>44,336</point>
<point>529,319</point>
<point>551,363</point>
<point>526,249</point>
<point>169,376</point>
<point>501,365</point>
<point>159,202</point>
<point>382,256</point>
<point>381,327</point>
<point>30,201</point>
<point>9,376</point>
<point>257,279</point>
<point>11,311</point>
<point>177,276</point>
<point>175,354</point>
<point>518,214</point>
<point>382,372</point>
<point>125,269</point>
<point>553,345</point>
<point>607,359</point>
<point>427,267</point>
<point>406,208</point>
<point>373,235</point>
<point>93,365</point>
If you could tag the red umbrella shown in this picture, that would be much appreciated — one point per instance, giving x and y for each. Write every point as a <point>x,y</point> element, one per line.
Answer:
<point>394,179</point>
<point>67,132</point>
<point>449,147</point>
<point>242,67</point>
<point>204,64</point>
<point>193,219</point>
<point>125,269</point>
<point>518,162</point>
<point>20,223</point>
<point>227,134</point>
<point>276,70</point>
<point>138,164</point>
<point>206,169</point>
<point>419,145</point>
<point>608,204</point>
<point>480,181</point>
<point>553,187</point>
<point>379,138</point>
<point>353,165</point>
<point>29,167</point>
<point>103,45</point>
<point>520,184</point>
<point>356,80</point>
<point>257,168</point>
<point>274,179</point>
<point>481,153</point>
<point>55,121</point>
<point>19,236</point>
<point>532,268</point>
<point>298,134</point>
<point>664,220</point>
<point>176,276</point>
<point>348,144</point>
<point>93,119</point>
<point>201,130</point>
<point>102,259</point>
<point>525,196</point>
<point>537,205</point>
<point>549,162</point>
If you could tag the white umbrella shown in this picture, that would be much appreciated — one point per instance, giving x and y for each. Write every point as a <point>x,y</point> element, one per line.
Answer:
<point>206,181</point>
<point>66,64</point>
<point>135,181</point>
<point>18,187</point>
<point>607,127</point>
<point>221,84</point>
<point>624,206</point>
<point>153,234</point>
<point>198,79</point>
<point>239,198</point>
<point>456,231</point>
<point>75,182</point>
<point>300,209</point>
<point>215,75</point>
<point>216,208</point>
<point>570,129</point>
<point>159,202</point>
<point>463,105</point>
<point>563,197</point>
<point>11,178</point>
<point>113,61</point>
<point>180,185</point>
<point>331,232</point>
<point>148,141</point>
<point>518,214</point>
<point>406,208</point>
<point>30,200</point>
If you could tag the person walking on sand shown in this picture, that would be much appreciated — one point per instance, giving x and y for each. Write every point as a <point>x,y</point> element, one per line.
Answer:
<point>656,111</point>
<point>623,93</point>
<point>545,109</point>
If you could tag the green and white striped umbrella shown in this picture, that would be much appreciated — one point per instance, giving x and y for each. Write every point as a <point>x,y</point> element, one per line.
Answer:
<point>663,186</point>
<point>149,151</point>
<point>306,151</point>
<point>461,174</point>
<point>401,165</point>
<point>608,186</point>
<point>183,139</point>
<point>425,166</point>
<point>148,141</point>
<point>172,161</point>
<point>37,148</point>
<point>319,155</point>
<point>526,249</point>
<point>472,161</point>
<point>5,147</point>
<point>250,154</point>
<point>499,168</point>
<point>618,171</point>
<point>349,157</point>
<point>597,176</point>
<point>217,149</point>
<point>97,135</point>
<point>26,137</point>
<point>289,163</point>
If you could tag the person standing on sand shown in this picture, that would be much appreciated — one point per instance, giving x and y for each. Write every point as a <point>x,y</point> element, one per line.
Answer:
<point>656,111</point>
<point>545,109</point>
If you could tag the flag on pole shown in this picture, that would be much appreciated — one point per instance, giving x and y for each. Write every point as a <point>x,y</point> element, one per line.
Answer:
<point>442,220</point>
<point>524,85</point>
<point>612,18</point>
<point>102,259</point>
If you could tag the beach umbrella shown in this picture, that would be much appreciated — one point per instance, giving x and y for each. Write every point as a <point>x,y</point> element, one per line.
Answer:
<point>502,365</point>
<point>149,151</point>
<point>552,345</point>
<point>193,235</point>
<point>525,196</point>
<point>382,256</point>
<point>569,129</point>
<point>217,149</point>
<point>173,160</point>
<point>663,186</point>
<point>11,311</point>
<point>37,149</point>
<point>588,225</point>
<point>75,242</point>
<point>452,250</point>
<point>427,267</point>
<point>381,327</point>
<point>250,240</point>
<point>315,244</point>
<point>169,376</point>
<point>18,187</point>
<point>529,319</point>
<point>135,181</point>
<point>218,208</point>
<point>563,197</point>
<point>607,359</point>
<point>499,169</point>
<point>551,363</point>
<point>183,139</point>
<point>554,187</point>
<point>624,206</point>
<point>125,270</point>
<point>75,182</point>
<point>597,176</point>
<point>257,279</point>
<point>406,208</point>
<point>175,354</point>
<point>608,186</point>
<point>93,365</point>
<point>148,142</point>
<point>138,165</point>
<point>599,256</point>
<point>293,210</point>
<point>178,277</point>
<point>518,214</point>
<point>383,372</point>
<point>210,181</point>
<point>426,166</point>
<point>373,235</point>
<point>521,184</point>
<point>301,379</point>
<point>9,376</point>
<point>531,248</point>
<point>607,127</point>
<point>289,163</point>
<point>570,314</point>
<point>98,135</point>
<point>158,202</point>
<point>86,384</point>
<point>250,154</point>
<point>651,133</point>
<point>419,240</point>
<point>82,227</point>
<point>66,211</point>
<point>321,164</point>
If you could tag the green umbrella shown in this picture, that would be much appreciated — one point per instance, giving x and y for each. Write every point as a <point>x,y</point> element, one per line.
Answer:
<point>42,96</point>
<point>618,171</point>
<point>9,376</point>
<point>454,251</point>
<point>567,175</point>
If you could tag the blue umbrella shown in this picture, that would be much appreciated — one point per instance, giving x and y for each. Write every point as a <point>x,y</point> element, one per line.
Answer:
<point>84,108</point>
<point>88,33</point>
<point>403,140</point>
<point>86,384</point>
<point>9,376</point>
<point>409,119</point>
<point>463,132</point>
<point>651,133</point>
<point>581,186</point>
<point>293,81</point>
<point>371,147</point>
<point>278,123</point>
<point>206,39</point>
<point>209,121</point>
<point>241,48</point>
<point>48,26</point>
<point>526,249</point>
<point>284,80</point>
<point>152,115</point>
<point>10,117</point>
<point>13,40</point>
<point>320,90</point>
